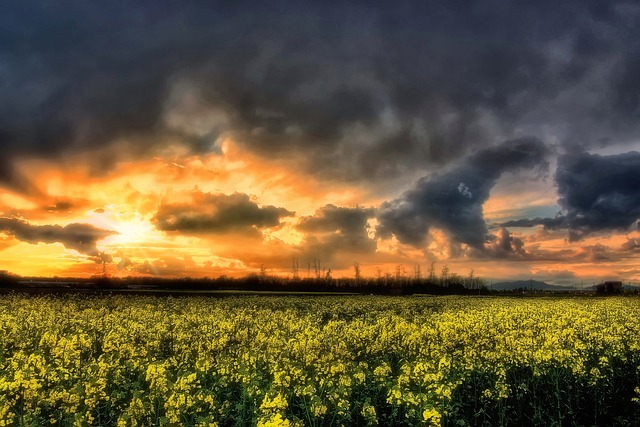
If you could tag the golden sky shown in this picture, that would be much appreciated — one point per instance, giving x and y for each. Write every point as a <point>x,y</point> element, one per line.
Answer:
<point>231,212</point>
<point>206,140</point>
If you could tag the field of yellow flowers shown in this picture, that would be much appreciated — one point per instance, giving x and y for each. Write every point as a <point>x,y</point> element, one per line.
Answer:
<point>318,361</point>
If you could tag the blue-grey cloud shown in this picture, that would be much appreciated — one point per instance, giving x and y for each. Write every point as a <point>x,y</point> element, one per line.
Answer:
<point>337,229</point>
<point>549,223</point>
<point>598,192</point>
<point>453,200</point>
<point>209,213</point>
<point>504,245</point>
<point>81,237</point>
<point>595,192</point>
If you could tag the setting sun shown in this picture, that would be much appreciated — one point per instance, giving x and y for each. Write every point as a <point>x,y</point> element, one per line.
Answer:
<point>393,138</point>
<point>298,213</point>
<point>131,232</point>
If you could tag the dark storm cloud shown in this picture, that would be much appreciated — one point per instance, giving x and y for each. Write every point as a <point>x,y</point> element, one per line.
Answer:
<point>549,223</point>
<point>504,245</point>
<point>81,237</point>
<point>631,245</point>
<point>218,213</point>
<point>333,219</point>
<point>453,200</point>
<point>599,192</point>
<point>595,192</point>
<point>334,229</point>
<point>365,90</point>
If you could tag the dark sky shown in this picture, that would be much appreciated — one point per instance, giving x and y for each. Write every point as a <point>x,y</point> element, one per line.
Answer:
<point>427,109</point>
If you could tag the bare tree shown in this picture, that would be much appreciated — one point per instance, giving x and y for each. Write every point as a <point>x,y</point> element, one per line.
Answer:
<point>444,274</point>
<point>387,278</point>
<point>432,272</point>
<point>417,272</point>
<point>356,271</point>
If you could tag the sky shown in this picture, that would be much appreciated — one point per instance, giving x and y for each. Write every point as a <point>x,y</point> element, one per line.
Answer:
<point>202,139</point>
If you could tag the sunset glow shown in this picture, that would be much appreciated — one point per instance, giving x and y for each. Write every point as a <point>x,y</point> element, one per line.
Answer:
<point>388,137</point>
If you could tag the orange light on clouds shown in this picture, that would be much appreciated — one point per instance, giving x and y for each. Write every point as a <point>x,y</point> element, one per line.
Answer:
<point>125,199</point>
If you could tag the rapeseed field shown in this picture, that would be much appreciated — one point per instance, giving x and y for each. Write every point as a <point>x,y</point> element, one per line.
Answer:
<point>318,361</point>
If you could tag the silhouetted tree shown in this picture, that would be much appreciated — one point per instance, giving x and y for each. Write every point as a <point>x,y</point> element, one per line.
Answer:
<point>417,272</point>
<point>356,271</point>
<point>444,274</point>
<point>432,272</point>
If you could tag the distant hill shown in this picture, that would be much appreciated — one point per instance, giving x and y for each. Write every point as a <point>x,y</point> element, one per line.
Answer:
<point>533,285</point>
